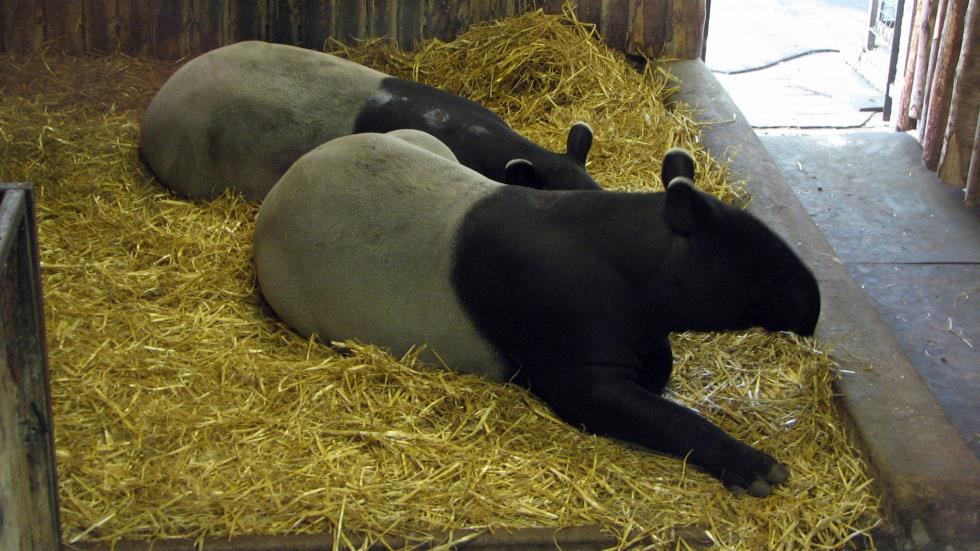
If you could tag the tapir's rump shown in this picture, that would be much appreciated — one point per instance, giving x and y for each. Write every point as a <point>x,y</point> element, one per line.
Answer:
<point>238,116</point>
<point>356,240</point>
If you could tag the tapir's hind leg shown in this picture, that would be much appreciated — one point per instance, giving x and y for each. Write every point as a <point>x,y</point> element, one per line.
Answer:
<point>623,409</point>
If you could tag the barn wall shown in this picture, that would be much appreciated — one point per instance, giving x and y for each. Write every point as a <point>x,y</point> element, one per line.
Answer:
<point>171,29</point>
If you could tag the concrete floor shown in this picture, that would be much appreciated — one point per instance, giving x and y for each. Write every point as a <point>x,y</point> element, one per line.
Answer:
<point>909,242</point>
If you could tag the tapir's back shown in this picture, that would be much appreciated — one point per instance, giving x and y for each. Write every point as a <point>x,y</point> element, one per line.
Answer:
<point>356,242</point>
<point>239,116</point>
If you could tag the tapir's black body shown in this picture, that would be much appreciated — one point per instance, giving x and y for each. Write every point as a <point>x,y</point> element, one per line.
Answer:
<point>479,138</point>
<point>583,315</point>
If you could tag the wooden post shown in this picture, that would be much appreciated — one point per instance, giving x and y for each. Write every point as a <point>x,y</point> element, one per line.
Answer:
<point>686,34</point>
<point>958,140</point>
<point>941,91</point>
<point>924,31</point>
<point>973,176</point>
<point>937,29</point>
<point>28,480</point>
<point>904,122</point>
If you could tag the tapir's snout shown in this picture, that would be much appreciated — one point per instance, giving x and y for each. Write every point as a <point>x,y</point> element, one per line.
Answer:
<point>807,330</point>
<point>797,310</point>
<point>807,307</point>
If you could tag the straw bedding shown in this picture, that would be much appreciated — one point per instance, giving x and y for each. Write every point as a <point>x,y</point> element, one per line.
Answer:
<point>183,408</point>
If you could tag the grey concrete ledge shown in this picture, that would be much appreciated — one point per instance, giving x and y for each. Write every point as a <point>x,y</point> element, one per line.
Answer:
<point>928,478</point>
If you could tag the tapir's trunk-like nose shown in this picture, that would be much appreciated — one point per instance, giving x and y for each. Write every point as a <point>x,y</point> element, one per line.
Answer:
<point>810,309</point>
<point>807,330</point>
<point>798,312</point>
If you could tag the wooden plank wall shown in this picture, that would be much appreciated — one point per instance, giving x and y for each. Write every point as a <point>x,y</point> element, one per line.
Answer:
<point>172,29</point>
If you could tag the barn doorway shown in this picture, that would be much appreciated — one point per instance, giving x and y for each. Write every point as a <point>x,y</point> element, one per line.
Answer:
<point>808,64</point>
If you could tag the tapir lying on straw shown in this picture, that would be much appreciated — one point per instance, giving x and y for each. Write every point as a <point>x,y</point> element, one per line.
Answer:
<point>572,293</point>
<point>238,117</point>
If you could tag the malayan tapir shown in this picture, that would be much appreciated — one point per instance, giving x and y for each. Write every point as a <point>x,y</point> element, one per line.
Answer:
<point>572,293</point>
<point>238,117</point>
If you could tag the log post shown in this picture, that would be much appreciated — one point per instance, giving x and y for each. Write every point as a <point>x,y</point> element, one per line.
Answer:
<point>958,140</point>
<point>905,122</point>
<point>924,25</point>
<point>973,175</point>
<point>941,92</point>
<point>936,30</point>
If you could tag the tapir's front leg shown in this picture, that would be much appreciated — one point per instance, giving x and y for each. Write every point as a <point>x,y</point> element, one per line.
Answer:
<point>623,409</point>
<point>657,366</point>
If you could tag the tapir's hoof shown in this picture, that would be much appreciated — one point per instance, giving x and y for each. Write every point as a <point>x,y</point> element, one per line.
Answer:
<point>777,474</point>
<point>764,485</point>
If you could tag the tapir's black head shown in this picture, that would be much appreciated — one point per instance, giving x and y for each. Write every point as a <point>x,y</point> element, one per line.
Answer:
<point>729,270</point>
<point>556,170</point>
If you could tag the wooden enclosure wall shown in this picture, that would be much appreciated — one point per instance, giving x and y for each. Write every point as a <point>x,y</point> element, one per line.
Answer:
<point>28,487</point>
<point>172,29</point>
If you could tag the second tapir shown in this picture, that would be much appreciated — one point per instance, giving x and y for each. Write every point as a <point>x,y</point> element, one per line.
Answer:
<point>238,116</point>
<point>573,293</point>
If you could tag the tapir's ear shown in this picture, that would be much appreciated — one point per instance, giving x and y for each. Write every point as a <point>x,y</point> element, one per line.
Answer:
<point>520,172</point>
<point>678,163</point>
<point>579,142</point>
<point>687,211</point>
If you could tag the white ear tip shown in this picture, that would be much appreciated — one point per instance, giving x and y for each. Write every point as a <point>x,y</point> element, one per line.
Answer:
<point>682,180</point>
<point>515,162</point>
<point>582,124</point>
